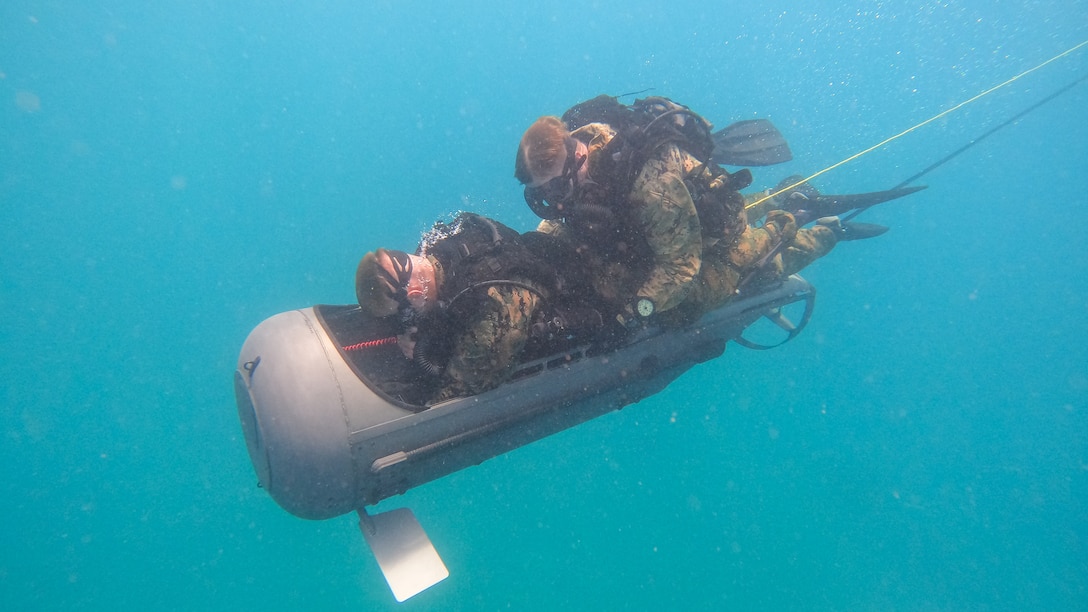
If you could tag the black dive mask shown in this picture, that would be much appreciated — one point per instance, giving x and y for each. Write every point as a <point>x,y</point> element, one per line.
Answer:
<point>550,199</point>
<point>407,315</point>
<point>399,278</point>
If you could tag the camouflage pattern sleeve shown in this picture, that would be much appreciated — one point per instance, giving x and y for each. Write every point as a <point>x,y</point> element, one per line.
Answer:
<point>724,266</point>
<point>552,228</point>
<point>666,214</point>
<point>486,352</point>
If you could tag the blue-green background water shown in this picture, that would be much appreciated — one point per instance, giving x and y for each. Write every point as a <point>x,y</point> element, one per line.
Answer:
<point>171,173</point>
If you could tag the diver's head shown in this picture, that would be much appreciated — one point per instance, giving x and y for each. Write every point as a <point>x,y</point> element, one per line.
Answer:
<point>388,282</point>
<point>542,151</point>
<point>547,163</point>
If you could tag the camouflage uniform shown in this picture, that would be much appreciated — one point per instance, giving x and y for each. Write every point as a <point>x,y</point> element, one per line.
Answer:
<point>485,353</point>
<point>681,265</point>
<point>476,337</point>
<point>663,215</point>
<point>726,263</point>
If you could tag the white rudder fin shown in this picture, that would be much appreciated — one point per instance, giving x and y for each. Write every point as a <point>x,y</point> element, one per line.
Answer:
<point>404,552</point>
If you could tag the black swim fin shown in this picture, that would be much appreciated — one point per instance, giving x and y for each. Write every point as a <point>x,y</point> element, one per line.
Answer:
<point>752,142</point>
<point>807,204</point>
<point>828,205</point>
<point>852,230</point>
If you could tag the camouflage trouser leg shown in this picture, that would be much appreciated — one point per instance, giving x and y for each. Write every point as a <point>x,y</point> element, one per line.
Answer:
<point>724,268</point>
<point>485,354</point>
<point>721,273</point>
<point>716,284</point>
<point>806,247</point>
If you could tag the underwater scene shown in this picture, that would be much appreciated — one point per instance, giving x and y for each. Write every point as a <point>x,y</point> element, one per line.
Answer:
<point>174,173</point>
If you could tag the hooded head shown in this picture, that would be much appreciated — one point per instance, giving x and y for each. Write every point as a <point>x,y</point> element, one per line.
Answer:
<point>381,282</point>
<point>542,152</point>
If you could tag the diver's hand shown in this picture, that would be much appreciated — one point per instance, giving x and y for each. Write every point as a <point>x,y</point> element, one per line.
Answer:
<point>795,197</point>
<point>784,223</point>
<point>627,319</point>
<point>615,330</point>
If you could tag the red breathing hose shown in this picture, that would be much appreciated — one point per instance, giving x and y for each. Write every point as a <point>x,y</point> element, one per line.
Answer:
<point>371,343</point>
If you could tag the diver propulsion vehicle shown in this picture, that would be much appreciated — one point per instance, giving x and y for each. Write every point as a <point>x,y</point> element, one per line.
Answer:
<point>328,435</point>
<point>326,439</point>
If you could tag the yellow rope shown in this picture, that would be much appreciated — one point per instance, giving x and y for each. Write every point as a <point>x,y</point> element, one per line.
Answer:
<point>911,129</point>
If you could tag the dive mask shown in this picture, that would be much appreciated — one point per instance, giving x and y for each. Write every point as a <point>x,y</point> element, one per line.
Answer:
<point>548,199</point>
<point>399,277</point>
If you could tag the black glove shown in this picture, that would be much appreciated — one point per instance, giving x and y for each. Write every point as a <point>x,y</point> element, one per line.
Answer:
<point>797,197</point>
<point>619,327</point>
<point>800,200</point>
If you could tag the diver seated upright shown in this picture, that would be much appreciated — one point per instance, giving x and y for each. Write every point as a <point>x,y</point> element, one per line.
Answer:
<point>473,301</point>
<point>639,192</point>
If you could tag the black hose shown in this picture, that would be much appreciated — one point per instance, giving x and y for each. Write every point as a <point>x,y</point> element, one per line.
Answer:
<point>986,134</point>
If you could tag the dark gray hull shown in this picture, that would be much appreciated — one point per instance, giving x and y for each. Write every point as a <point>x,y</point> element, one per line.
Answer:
<point>324,442</point>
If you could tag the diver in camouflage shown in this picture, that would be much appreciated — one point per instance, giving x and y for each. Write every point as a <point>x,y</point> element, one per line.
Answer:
<point>467,300</point>
<point>647,240</point>
<point>651,251</point>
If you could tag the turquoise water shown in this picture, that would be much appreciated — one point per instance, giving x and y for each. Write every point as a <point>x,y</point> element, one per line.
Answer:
<point>171,173</point>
